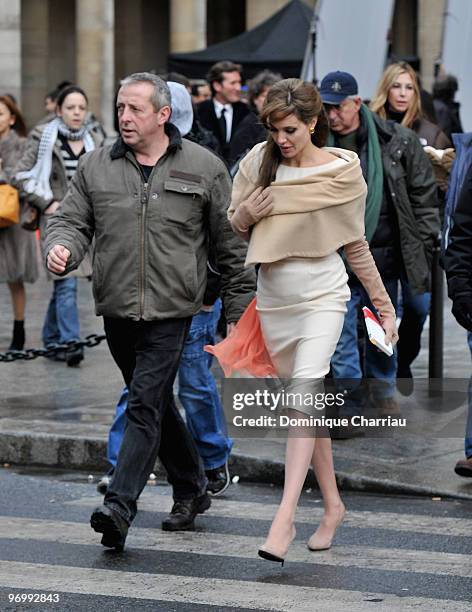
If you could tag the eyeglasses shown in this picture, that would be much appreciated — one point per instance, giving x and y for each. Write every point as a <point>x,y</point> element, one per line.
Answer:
<point>337,108</point>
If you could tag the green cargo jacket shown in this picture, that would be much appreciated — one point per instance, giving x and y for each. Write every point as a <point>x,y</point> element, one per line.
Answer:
<point>411,186</point>
<point>152,237</point>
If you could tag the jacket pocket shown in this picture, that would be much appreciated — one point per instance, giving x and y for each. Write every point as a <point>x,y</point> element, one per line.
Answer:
<point>182,202</point>
<point>97,277</point>
<point>191,278</point>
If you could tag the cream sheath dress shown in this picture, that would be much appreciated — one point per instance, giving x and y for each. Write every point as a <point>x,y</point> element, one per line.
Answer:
<point>303,284</point>
<point>301,303</point>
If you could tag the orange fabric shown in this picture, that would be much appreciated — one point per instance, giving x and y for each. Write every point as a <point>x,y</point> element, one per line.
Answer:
<point>244,349</point>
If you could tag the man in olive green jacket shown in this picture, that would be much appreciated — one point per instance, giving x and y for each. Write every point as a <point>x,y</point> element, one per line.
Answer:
<point>153,202</point>
<point>402,224</point>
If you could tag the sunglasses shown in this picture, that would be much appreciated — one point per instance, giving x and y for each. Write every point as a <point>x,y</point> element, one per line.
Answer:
<point>335,107</point>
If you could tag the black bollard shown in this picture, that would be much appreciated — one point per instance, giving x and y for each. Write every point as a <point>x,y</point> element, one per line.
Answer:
<point>436,331</point>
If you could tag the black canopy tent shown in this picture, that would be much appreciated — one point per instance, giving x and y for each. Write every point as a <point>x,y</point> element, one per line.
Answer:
<point>276,44</point>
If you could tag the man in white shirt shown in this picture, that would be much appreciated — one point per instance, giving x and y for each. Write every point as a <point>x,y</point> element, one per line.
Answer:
<point>225,111</point>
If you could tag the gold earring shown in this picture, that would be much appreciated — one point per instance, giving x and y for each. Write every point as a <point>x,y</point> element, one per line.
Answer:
<point>312,130</point>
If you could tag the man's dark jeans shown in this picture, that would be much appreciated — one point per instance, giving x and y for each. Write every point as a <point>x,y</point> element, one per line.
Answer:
<point>148,355</point>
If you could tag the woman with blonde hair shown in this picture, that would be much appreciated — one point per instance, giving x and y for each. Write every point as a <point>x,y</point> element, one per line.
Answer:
<point>398,98</point>
<point>297,203</point>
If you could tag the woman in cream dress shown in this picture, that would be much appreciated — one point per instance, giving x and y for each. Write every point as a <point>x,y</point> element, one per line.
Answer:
<point>297,204</point>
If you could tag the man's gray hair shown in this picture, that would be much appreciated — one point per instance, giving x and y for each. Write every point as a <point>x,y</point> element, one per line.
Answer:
<point>161,94</point>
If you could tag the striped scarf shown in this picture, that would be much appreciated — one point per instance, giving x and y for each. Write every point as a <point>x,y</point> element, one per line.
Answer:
<point>38,178</point>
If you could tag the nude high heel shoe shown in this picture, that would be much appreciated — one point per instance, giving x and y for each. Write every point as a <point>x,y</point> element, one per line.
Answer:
<point>270,554</point>
<point>324,542</point>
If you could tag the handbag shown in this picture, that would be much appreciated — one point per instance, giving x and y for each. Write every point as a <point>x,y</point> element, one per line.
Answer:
<point>30,218</point>
<point>9,205</point>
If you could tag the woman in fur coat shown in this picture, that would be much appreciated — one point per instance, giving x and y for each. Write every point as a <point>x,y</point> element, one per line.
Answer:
<point>18,249</point>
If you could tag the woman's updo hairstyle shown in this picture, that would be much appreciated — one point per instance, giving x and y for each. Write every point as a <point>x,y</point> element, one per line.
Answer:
<point>290,97</point>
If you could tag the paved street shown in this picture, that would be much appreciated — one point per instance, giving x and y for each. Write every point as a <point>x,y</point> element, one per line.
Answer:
<point>390,554</point>
<point>394,553</point>
<point>58,416</point>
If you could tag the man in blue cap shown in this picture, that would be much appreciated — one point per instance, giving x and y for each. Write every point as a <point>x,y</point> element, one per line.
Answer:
<point>340,96</point>
<point>401,225</point>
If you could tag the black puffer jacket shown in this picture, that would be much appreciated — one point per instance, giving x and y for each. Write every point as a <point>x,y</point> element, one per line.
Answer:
<point>203,137</point>
<point>447,115</point>
<point>409,218</point>
<point>250,132</point>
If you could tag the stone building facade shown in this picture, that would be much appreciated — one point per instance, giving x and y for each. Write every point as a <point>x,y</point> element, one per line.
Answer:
<point>97,42</point>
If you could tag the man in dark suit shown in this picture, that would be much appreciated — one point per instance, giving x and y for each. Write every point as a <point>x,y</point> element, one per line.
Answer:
<point>224,112</point>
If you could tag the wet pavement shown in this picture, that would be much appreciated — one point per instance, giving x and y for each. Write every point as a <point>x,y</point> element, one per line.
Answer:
<point>58,416</point>
<point>391,553</point>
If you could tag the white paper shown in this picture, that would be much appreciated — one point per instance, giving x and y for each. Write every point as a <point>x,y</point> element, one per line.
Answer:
<point>376,332</point>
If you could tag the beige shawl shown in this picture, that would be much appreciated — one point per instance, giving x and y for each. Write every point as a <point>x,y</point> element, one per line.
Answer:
<point>312,216</point>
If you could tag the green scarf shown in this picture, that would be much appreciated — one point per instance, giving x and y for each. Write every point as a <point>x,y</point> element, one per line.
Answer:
<point>374,173</point>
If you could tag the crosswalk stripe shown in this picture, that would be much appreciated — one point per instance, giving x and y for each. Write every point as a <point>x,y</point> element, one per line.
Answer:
<point>224,545</point>
<point>367,519</point>
<point>205,591</point>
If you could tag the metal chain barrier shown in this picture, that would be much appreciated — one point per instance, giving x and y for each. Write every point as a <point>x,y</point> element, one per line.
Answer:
<point>66,347</point>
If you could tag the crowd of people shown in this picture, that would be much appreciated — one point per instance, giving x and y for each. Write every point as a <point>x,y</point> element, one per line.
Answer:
<point>309,199</point>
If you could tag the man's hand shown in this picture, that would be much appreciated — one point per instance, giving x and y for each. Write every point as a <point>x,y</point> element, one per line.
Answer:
<point>258,205</point>
<point>51,209</point>
<point>462,310</point>
<point>57,259</point>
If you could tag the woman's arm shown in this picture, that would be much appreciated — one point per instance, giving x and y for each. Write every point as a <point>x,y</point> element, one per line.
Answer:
<point>250,211</point>
<point>26,162</point>
<point>362,263</point>
<point>249,203</point>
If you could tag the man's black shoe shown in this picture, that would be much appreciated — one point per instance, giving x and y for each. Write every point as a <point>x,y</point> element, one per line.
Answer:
<point>218,480</point>
<point>73,358</point>
<point>112,525</point>
<point>59,356</point>
<point>405,382</point>
<point>184,511</point>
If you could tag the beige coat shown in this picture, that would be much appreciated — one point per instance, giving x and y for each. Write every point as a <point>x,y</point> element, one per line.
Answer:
<point>314,216</point>
<point>329,209</point>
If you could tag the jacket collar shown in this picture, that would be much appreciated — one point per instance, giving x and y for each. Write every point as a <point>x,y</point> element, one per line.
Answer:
<point>385,129</point>
<point>12,138</point>
<point>119,148</point>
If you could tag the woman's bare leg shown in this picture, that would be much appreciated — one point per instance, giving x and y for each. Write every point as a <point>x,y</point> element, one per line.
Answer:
<point>334,510</point>
<point>298,455</point>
